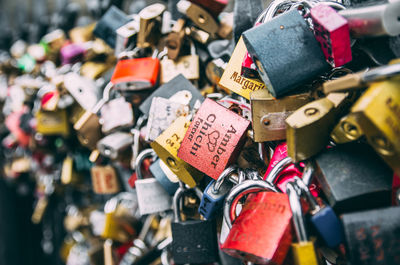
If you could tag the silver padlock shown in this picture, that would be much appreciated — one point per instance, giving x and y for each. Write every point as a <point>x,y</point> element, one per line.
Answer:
<point>152,197</point>
<point>126,35</point>
<point>112,145</point>
<point>163,112</point>
<point>111,117</point>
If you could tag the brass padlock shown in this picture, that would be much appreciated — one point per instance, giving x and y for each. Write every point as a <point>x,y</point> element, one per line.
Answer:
<point>175,39</point>
<point>232,78</point>
<point>52,122</point>
<point>347,130</point>
<point>68,174</point>
<point>198,34</point>
<point>94,70</point>
<point>269,114</point>
<point>309,127</point>
<point>378,112</point>
<point>166,146</point>
<point>150,24</point>
<point>82,34</point>
<point>199,16</point>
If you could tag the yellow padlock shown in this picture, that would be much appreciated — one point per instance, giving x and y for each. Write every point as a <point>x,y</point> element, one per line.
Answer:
<point>166,146</point>
<point>52,122</point>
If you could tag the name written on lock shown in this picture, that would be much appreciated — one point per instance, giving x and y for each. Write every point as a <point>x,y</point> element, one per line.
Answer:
<point>213,139</point>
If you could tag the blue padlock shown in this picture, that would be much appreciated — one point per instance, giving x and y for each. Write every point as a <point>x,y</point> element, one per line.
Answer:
<point>285,52</point>
<point>215,192</point>
<point>323,218</point>
<point>158,171</point>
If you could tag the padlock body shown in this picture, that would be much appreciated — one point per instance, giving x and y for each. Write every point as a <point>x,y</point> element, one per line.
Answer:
<point>136,74</point>
<point>52,122</point>
<point>304,253</point>
<point>332,32</point>
<point>71,53</point>
<point>213,139</point>
<point>158,173</point>
<point>270,213</point>
<point>152,197</point>
<point>104,180</point>
<point>356,165</point>
<point>329,227</point>
<point>233,80</point>
<point>211,202</point>
<point>213,6</point>
<point>279,47</point>
<point>187,65</point>
<point>194,242</point>
<point>373,236</point>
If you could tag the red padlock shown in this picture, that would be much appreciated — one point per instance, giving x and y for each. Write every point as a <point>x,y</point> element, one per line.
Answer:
<point>262,233</point>
<point>332,32</point>
<point>396,190</point>
<point>136,73</point>
<point>214,139</point>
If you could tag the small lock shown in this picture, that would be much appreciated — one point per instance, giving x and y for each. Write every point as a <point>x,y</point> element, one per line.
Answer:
<point>162,113</point>
<point>152,197</point>
<point>52,122</point>
<point>193,241</point>
<point>113,145</point>
<point>108,24</point>
<point>377,113</point>
<point>111,118</point>
<point>82,89</point>
<point>126,35</point>
<point>82,34</point>
<point>269,114</point>
<point>332,32</point>
<point>72,53</point>
<point>213,139</point>
<point>175,39</point>
<point>187,65</point>
<point>373,20</point>
<point>372,237</point>
<point>200,17</point>
<point>303,251</point>
<point>165,176</point>
<point>94,70</point>
<point>150,25</point>
<point>177,84</point>
<point>166,146</point>
<point>287,35</point>
<point>104,180</point>
<point>215,193</point>
<point>356,164</point>
<point>233,80</point>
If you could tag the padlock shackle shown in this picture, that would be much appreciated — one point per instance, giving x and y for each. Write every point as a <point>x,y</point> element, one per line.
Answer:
<point>104,99</point>
<point>244,188</point>
<point>178,196</point>
<point>277,169</point>
<point>225,175</point>
<point>297,212</point>
<point>149,152</point>
<point>305,191</point>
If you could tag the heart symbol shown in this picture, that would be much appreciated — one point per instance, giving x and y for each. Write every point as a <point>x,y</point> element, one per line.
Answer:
<point>212,140</point>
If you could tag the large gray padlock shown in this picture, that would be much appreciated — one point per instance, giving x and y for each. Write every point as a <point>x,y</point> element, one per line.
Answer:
<point>152,197</point>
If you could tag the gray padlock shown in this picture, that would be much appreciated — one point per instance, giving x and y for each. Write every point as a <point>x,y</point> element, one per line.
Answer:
<point>111,118</point>
<point>112,145</point>
<point>285,52</point>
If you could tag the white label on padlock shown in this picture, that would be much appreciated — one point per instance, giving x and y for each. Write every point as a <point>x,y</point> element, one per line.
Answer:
<point>111,117</point>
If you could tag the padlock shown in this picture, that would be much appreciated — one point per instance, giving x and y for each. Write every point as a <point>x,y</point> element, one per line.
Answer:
<point>52,122</point>
<point>104,180</point>
<point>177,84</point>
<point>244,240</point>
<point>215,7</point>
<point>72,53</point>
<point>372,236</point>
<point>108,24</point>
<point>88,126</point>
<point>309,127</point>
<point>362,79</point>
<point>165,176</point>
<point>322,217</point>
<point>111,118</point>
<point>126,35</point>
<point>152,197</point>
<point>94,70</point>
<point>347,130</point>
<point>193,241</point>
<point>82,89</point>
<point>332,32</point>
<point>136,74</point>
<point>225,30</point>
<point>396,190</point>
<point>303,251</point>
<point>82,34</point>
<point>355,164</point>
<point>187,65</point>
<point>224,133</point>
<point>200,17</point>
<point>215,70</point>
<point>68,174</point>
<point>233,80</point>
<point>113,145</point>
<point>373,20</point>
<point>377,112</point>
<point>216,191</point>
<point>269,114</point>
<point>198,35</point>
<point>174,41</point>
<point>166,146</point>
<point>287,35</point>
<point>150,25</point>
<point>161,115</point>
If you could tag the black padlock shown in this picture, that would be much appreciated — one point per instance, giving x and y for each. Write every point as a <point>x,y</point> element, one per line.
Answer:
<point>373,237</point>
<point>179,83</point>
<point>353,177</point>
<point>285,52</point>
<point>108,24</point>
<point>194,241</point>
